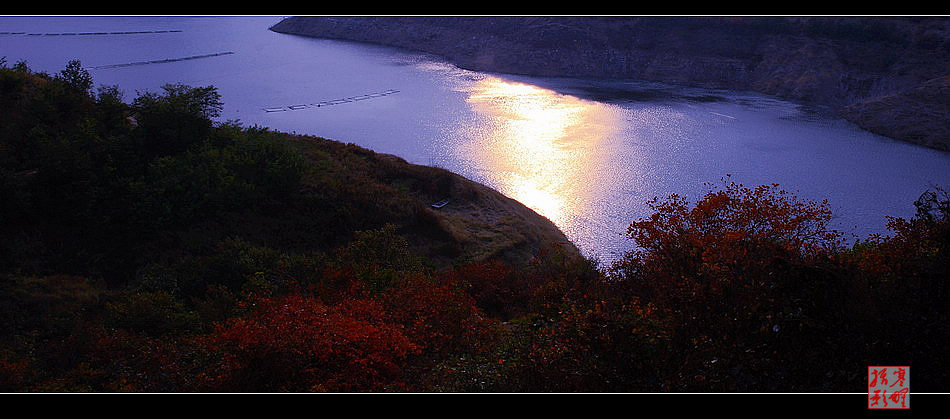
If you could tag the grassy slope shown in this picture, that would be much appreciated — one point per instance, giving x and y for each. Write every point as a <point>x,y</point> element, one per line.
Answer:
<point>478,224</point>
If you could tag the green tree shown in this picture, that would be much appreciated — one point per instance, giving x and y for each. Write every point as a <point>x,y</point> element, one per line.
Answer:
<point>76,76</point>
<point>182,116</point>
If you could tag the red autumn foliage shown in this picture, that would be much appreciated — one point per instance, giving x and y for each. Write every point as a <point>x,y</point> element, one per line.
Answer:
<point>731,237</point>
<point>914,253</point>
<point>908,275</point>
<point>495,288</point>
<point>505,293</point>
<point>748,276</point>
<point>297,343</point>
<point>439,316</point>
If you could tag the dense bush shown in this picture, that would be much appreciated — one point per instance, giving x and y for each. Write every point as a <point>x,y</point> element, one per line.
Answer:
<point>296,343</point>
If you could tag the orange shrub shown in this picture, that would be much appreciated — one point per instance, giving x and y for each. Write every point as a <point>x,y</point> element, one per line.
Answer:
<point>297,343</point>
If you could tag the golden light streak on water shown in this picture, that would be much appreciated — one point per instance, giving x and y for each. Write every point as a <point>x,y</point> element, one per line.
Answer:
<point>542,147</point>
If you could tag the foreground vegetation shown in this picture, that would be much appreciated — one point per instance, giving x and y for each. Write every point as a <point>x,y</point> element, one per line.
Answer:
<point>147,248</point>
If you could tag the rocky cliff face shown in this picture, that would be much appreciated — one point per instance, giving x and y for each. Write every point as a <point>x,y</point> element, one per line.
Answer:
<point>920,115</point>
<point>843,63</point>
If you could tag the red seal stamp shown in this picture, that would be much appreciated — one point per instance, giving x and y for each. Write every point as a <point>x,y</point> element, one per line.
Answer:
<point>889,387</point>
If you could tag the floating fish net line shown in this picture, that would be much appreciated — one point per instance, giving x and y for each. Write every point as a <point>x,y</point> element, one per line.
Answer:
<point>332,102</point>
<point>167,60</point>
<point>86,33</point>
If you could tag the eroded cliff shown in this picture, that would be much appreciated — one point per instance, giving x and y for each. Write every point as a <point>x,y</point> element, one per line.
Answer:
<point>833,62</point>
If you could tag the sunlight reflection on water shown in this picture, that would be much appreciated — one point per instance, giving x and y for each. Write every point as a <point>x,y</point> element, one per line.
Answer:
<point>543,146</point>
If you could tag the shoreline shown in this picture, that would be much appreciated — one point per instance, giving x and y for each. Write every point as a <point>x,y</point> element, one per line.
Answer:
<point>905,101</point>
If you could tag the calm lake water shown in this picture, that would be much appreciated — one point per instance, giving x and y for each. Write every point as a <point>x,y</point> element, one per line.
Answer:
<point>586,154</point>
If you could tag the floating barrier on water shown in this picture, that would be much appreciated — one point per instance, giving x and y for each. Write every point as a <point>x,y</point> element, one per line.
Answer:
<point>721,114</point>
<point>167,60</point>
<point>87,33</point>
<point>332,102</point>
